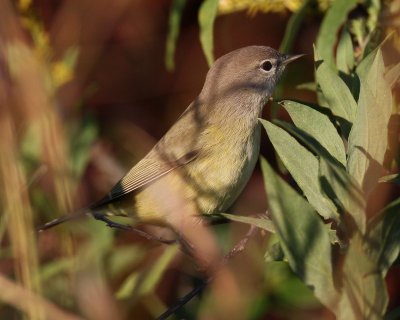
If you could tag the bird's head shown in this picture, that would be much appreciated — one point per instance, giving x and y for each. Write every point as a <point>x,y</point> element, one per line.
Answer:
<point>247,75</point>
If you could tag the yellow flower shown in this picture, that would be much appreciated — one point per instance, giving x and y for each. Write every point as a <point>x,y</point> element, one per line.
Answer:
<point>61,73</point>
<point>39,36</point>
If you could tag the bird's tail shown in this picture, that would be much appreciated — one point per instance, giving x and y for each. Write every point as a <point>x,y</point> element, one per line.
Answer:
<point>68,217</point>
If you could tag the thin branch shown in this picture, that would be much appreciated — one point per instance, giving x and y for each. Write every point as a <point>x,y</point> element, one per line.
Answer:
<point>237,249</point>
<point>184,300</point>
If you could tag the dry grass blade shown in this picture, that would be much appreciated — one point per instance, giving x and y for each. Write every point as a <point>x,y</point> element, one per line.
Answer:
<point>18,212</point>
<point>23,299</point>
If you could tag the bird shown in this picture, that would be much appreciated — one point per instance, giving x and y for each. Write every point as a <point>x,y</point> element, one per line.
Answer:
<point>203,162</point>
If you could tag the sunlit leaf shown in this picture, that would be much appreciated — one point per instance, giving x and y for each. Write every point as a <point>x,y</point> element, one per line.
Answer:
<point>338,96</point>
<point>334,180</point>
<point>303,236</point>
<point>345,52</point>
<point>310,86</point>
<point>317,125</point>
<point>207,15</point>
<point>364,294</point>
<point>262,223</point>
<point>393,178</point>
<point>303,166</point>
<point>333,20</point>
<point>368,138</point>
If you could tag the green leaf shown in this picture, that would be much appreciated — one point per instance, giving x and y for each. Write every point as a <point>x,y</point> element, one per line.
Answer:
<point>364,294</point>
<point>368,138</point>
<point>82,139</point>
<point>337,95</point>
<point>304,168</point>
<point>262,223</point>
<point>333,20</point>
<point>287,288</point>
<point>175,16</point>
<point>303,236</point>
<point>393,178</point>
<point>128,286</point>
<point>54,268</point>
<point>70,57</point>
<point>384,236</point>
<point>124,257</point>
<point>158,268</point>
<point>335,181</point>
<point>318,126</point>
<point>274,251</point>
<point>207,14</point>
<point>343,190</point>
<point>145,283</point>
<point>345,52</point>
<point>373,34</point>
<point>309,86</point>
<point>31,145</point>
<point>374,9</point>
<point>292,27</point>
<point>358,30</point>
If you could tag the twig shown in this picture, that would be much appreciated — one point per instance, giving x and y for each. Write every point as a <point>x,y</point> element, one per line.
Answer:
<point>241,245</point>
<point>237,249</point>
<point>185,299</point>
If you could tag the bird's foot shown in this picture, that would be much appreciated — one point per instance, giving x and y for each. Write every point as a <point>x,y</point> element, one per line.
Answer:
<point>112,224</point>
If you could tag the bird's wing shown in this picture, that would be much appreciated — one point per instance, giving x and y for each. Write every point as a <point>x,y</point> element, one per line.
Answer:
<point>179,146</point>
<point>144,172</point>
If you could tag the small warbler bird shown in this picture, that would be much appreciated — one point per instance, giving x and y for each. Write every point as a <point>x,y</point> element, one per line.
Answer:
<point>201,165</point>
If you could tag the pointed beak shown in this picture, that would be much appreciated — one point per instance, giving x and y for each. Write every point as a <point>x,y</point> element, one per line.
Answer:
<point>287,58</point>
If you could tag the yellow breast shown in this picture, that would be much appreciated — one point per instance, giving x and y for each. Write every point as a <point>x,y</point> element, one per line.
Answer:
<point>208,184</point>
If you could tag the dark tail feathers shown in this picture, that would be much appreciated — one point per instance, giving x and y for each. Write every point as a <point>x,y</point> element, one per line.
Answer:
<point>62,219</point>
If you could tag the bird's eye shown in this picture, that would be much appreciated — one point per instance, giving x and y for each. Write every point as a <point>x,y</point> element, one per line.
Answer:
<point>266,65</point>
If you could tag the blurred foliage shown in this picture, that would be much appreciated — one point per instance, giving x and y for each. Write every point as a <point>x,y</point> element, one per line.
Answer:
<point>361,112</point>
<point>229,6</point>
<point>335,232</point>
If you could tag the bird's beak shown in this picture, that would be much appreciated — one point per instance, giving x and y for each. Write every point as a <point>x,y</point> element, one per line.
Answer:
<point>287,58</point>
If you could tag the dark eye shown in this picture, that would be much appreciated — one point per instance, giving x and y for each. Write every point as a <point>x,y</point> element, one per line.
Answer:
<point>266,65</point>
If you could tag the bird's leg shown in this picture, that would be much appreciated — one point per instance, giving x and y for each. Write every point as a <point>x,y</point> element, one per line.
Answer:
<point>237,249</point>
<point>112,224</point>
